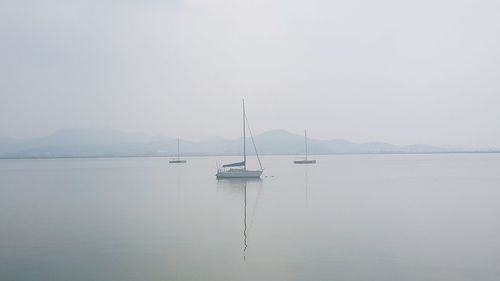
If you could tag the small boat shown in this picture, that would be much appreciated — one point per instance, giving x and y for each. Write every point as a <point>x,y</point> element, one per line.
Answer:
<point>178,160</point>
<point>239,169</point>
<point>305,161</point>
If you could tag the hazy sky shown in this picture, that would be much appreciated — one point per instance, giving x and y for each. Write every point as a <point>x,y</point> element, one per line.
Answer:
<point>396,71</point>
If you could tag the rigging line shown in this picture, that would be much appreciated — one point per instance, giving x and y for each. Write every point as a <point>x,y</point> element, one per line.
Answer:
<point>253,142</point>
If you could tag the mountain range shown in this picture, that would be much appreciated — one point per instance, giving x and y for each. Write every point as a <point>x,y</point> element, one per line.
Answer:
<point>113,143</point>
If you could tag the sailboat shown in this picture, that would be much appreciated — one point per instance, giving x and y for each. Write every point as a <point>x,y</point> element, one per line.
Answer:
<point>178,160</point>
<point>305,161</point>
<point>239,169</point>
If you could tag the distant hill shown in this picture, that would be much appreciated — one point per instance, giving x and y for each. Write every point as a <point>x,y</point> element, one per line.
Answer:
<point>113,143</point>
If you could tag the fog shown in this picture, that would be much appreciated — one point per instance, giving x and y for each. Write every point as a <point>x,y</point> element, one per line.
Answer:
<point>396,71</point>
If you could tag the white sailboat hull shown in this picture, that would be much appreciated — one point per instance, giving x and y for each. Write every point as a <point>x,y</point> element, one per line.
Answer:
<point>304,161</point>
<point>177,161</point>
<point>238,173</point>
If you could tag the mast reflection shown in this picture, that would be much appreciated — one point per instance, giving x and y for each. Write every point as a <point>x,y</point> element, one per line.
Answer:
<point>245,222</point>
<point>241,185</point>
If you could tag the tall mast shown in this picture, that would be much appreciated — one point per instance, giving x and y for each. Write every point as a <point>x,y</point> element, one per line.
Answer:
<point>178,150</point>
<point>305,139</point>
<point>244,138</point>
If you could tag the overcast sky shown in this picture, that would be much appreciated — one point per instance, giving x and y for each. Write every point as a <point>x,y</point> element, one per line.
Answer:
<point>397,71</point>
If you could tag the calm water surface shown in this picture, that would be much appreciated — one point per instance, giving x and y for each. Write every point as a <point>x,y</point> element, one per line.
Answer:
<point>353,217</point>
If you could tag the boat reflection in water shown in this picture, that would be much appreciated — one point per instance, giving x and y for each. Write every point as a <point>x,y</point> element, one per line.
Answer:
<point>241,186</point>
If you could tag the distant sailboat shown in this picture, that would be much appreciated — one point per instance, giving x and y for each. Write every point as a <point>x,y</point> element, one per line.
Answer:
<point>178,160</point>
<point>305,161</point>
<point>242,172</point>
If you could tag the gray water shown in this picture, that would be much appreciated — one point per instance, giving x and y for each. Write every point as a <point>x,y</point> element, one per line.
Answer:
<point>352,217</point>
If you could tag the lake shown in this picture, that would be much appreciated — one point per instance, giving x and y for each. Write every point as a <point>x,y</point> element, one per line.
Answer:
<point>348,217</point>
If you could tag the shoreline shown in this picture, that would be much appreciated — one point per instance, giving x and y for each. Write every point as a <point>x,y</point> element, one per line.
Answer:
<point>223,155</point>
